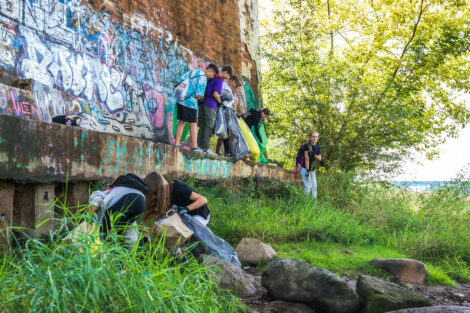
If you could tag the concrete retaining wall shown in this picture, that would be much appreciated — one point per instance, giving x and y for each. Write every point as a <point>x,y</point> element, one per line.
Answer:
<point>37,158</point>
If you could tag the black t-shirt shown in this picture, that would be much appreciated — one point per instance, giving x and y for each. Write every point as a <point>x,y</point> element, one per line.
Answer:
<point>253,118</point>
<point>311,155</point>
<point>181,196</point>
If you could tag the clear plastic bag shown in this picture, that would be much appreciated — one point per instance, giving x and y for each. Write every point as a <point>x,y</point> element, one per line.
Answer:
<point>220,125</point>
<point>208,243</point>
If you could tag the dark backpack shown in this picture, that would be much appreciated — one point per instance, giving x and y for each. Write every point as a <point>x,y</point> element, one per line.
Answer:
<point>131,181</point>
<point>300,156</point>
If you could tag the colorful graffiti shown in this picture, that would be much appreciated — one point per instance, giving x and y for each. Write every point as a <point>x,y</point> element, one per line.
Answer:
<point>208,167</point>
<point>123,75</point>
<point>18,102</point>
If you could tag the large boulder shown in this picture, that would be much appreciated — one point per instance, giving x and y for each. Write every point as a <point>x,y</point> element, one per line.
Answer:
<point>254,251</point>
<point>287,307</point>
<point>405,270</point>
<point>380,295</point>
<point>297,281</point>
<point>436,309</point>
<point>231,277</point>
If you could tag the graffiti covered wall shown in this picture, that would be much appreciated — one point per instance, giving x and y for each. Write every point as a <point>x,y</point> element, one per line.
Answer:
<point>119,66</point>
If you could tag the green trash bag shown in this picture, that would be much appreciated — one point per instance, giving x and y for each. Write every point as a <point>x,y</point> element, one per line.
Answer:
<point>262,145</point>
<point>185,134</point>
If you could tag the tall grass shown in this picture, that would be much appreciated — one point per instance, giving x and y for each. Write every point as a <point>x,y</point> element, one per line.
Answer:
<point>86,276</point>
<point>432,227</point>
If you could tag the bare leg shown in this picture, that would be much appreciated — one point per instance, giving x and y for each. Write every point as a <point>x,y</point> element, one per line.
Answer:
<point>179,132</point>
<point>219,144</point>
<point>193,134</point>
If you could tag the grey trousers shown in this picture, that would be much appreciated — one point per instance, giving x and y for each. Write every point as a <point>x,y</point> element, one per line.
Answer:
<point>207,117</point>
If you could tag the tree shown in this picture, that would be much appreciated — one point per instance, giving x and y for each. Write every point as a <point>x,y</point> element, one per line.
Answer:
<point>378,79</point>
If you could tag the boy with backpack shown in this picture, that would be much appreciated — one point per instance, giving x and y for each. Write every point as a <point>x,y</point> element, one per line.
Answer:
<point>305,163</point>
<point>190,88</point>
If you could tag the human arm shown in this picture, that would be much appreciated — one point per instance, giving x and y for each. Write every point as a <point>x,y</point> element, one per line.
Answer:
<point>219,83</point>
<point>217,97</point>
<point>257,133</point>
<point>198,201</point>
<point>317,153</point>
<point>306,160</point>
<point>96,201</point>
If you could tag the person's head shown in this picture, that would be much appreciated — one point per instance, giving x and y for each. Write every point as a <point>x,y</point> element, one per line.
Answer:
<point>265,113</point>
<point>226,72</point>
<point>158,197</point>
<point>234,83</point>
<point>313,138</point>
<point>211,70</point>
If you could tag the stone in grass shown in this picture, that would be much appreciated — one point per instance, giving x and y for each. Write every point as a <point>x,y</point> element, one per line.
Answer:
<point>405,270</point>
<point>287,307</point>
<point>380,295</point>
<point>296,281</point>
<point>254,252</point>
<point>436,309</point>
<point>231,277</point>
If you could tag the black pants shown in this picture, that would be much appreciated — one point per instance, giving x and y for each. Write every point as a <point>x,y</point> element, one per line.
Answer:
<point>226,146</point>
<point>125,211</point>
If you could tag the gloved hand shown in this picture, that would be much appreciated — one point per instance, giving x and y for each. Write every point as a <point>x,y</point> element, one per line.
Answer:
<point>182,210</point>
<point>307,174</point>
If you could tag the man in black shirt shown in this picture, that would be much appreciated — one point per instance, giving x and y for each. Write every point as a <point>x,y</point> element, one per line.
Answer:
<point>253,118</point>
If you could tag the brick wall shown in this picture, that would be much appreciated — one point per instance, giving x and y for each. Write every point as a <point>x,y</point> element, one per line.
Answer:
<point>118,60</point>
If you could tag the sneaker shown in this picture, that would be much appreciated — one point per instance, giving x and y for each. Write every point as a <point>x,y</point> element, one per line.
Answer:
<point>209,151</point>
<point>197,149</point>
<point>228,154</point>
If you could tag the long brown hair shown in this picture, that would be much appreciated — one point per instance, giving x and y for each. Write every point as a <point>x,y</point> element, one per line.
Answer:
<point>158,198</point>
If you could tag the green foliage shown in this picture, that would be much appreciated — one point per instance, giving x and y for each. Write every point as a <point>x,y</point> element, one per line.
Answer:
<point>377,79</point>
<point>57,277</point>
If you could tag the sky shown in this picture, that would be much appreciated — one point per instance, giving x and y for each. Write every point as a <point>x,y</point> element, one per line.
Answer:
<point>454,157</point>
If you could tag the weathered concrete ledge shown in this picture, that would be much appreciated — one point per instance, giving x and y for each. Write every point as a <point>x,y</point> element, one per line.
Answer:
<point>35,151</point>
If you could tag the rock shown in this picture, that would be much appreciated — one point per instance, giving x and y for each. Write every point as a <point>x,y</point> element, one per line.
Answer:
<point>231,277</point>
<point>254,251</point>
<point>436,309</point>
<point>405,270</point>
<point>287,307</point>
<point>297,281</point>
<point>380,295</point>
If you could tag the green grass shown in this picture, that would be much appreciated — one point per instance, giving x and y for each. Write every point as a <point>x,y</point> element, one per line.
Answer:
<point>57,277</point>
<point>352,223</point>
<point>366,218</point>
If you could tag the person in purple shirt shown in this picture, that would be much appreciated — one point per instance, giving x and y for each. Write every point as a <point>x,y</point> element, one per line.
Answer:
<point>207,115</point>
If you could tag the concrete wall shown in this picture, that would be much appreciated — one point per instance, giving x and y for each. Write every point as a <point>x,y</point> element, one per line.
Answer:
<point>37,159</point>
<point>118,60</point>
<point>44,152</point>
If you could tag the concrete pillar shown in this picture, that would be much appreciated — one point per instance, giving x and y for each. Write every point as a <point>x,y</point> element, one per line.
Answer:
<point>44,210</point>
<point>77,195</point>
<point>34,209</point>
<point>7,192</point>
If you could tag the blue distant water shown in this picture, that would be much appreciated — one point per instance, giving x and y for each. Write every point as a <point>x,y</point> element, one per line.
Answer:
<point>420,185</point>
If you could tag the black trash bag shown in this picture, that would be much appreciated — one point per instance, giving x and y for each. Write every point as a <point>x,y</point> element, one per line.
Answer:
<point>240,147</point>
<point>207,243</point>
<point>220,124</point>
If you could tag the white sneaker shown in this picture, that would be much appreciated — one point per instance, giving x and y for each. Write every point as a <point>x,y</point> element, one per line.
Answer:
<point>209,151</point>
<point>197,149</point>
